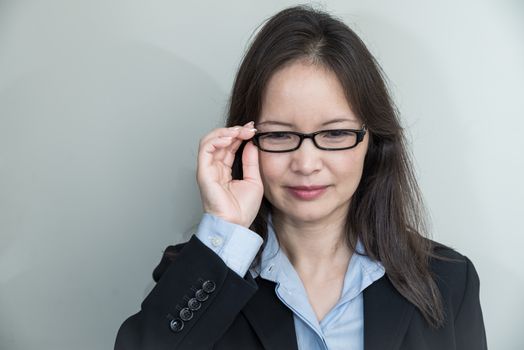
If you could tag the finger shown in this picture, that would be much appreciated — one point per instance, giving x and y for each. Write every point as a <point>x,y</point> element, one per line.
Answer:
<point>219,144</point>
<point>210,151</point>
<point>218,148</point>
<point>231,151</point>
<point>250,166</point>
<point>231,131</point>
<point>245,134</point>
<point>221,132</point>
<point>225,152</point>
<point>229,143</point>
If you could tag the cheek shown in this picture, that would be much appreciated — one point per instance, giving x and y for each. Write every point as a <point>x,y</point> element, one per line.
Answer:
<point>273,172</point>
<point>271,167</point>
<point>355,162</point>
<point>348,168</point>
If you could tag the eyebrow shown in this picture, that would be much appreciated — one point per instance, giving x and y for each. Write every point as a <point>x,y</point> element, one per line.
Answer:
<point>333,121</point>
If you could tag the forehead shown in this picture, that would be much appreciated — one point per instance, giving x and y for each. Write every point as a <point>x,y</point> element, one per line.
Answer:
<point>303,94</point>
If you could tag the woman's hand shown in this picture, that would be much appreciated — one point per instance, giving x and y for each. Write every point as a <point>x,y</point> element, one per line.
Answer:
<point>236,201</point>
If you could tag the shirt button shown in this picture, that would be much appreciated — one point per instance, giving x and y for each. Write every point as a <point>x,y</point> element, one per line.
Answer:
<point>208,286</point>
<point>186,314</point>
<point>176,325</point>
<point>216,241</point>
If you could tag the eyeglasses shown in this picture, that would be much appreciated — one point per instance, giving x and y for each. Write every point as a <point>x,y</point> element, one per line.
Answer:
<point>329,140</point>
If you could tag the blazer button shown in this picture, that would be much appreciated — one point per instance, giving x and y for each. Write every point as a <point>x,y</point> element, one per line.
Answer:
<point>208,286</point>
<point>176,325</point>
<point>186,314</point>
<point>200,295</point>
<point>193,304</point>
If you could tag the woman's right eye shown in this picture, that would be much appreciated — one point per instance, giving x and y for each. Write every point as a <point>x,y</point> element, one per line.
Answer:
<point>277,135</point>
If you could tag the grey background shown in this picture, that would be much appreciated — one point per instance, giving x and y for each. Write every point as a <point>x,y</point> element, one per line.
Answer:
<point>102,104</point>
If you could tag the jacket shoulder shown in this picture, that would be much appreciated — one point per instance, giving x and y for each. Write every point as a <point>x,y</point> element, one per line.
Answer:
<point>448,263</point>
<point>455,275</point>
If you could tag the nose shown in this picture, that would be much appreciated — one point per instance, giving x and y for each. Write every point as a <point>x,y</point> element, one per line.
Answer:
<point>307,159</point>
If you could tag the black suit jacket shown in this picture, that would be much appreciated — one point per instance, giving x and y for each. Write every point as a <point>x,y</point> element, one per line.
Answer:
<point>245,313</point>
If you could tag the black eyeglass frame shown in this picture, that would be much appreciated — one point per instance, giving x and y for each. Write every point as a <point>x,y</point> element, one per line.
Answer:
<point>359,132</point>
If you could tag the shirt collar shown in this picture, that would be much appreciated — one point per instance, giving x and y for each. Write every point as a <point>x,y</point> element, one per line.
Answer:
<point>276,267</point>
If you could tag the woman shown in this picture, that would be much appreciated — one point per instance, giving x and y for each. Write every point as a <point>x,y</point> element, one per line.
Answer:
<point>312,236</point>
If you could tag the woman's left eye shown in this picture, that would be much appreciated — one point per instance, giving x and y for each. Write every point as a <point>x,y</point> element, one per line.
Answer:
<point>337,133</point>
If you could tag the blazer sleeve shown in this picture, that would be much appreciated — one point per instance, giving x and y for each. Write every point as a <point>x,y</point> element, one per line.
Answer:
<point>469,325</point>
<point>196,299</point>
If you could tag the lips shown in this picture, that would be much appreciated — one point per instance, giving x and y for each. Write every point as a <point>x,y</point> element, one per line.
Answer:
<point>307,188</point>
<point>307,192</point>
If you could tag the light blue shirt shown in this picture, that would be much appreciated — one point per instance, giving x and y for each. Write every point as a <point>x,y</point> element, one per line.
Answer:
<point>341,328</point>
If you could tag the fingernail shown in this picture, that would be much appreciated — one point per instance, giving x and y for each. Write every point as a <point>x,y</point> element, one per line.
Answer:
<point>253,129</point>
<point>250,123</point>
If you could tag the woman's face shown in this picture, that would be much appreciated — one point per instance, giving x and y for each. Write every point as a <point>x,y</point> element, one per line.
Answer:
<point>306,98</point>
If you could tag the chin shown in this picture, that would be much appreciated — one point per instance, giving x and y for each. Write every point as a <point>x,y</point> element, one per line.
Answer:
<point>307,216</point>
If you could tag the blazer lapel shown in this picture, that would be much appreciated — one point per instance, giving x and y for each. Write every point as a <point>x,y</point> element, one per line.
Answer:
<point>386,316</point>
<point>272,321</point>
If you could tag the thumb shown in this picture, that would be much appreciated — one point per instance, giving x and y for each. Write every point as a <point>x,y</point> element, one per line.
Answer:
<point>250,167</point>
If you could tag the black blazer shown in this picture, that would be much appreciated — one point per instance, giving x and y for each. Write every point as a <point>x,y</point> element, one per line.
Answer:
<point>245,313</point>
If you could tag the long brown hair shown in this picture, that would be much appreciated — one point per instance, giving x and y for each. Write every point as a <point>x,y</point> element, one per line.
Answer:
<point>386,211</point>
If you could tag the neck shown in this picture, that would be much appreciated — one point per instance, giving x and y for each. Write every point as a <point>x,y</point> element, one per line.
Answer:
<point>316,250</point>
